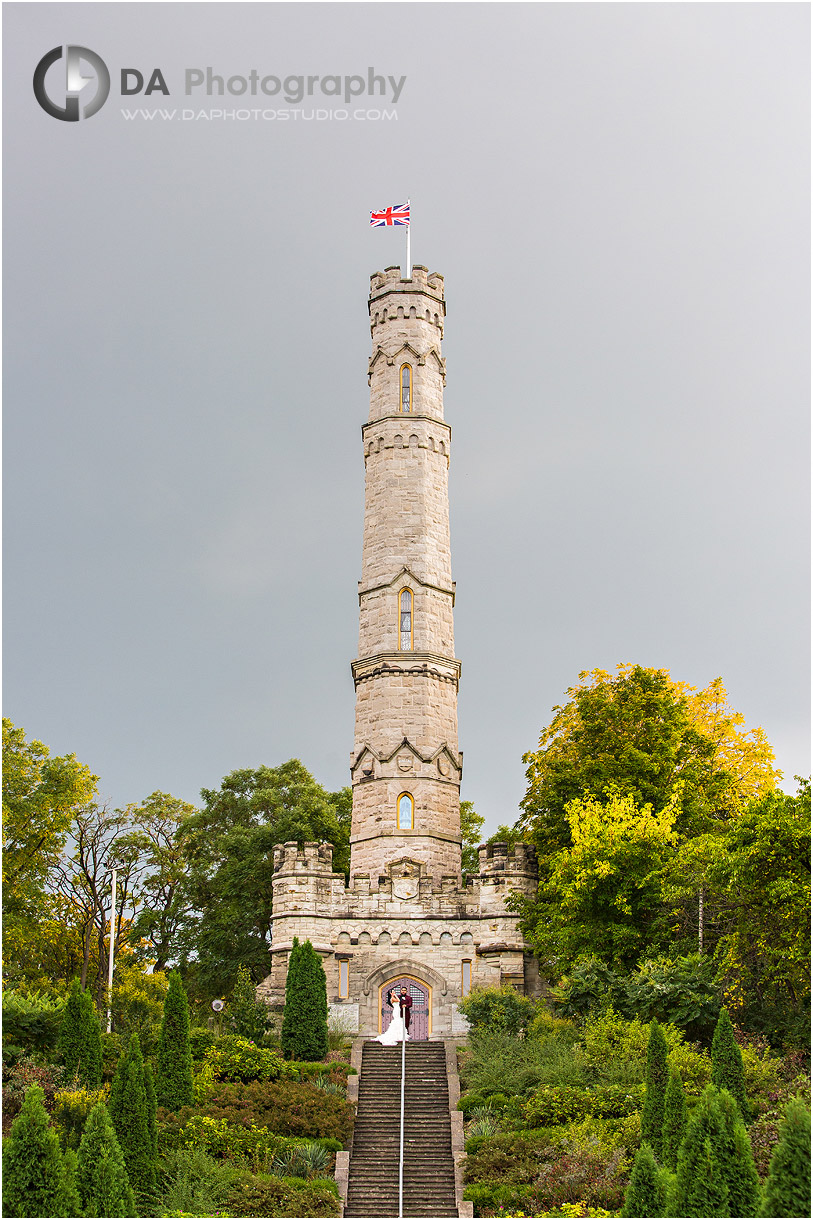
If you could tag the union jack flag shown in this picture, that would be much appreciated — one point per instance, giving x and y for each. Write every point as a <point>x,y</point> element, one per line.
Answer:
<point>398,214</point>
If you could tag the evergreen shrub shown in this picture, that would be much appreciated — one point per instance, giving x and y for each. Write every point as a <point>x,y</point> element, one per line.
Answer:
<point>787,1191</point>
<point>657,1078</point>
<point>247,1014</point>
<point>304,1027</point>
<point>715,1135</point>
<point>727,1070</point>
<point>552,1107</point>
<point>674,1120</point>
<point>102,1181</point>
<point>173,1080</point>
<point>37,1179</point>
<point>129,1112</point>
<point>79,1047</point>
<point>31,1021</point>
<point>646,1193</point>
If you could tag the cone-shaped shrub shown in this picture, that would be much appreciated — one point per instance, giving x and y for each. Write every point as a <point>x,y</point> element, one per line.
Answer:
<point>707,1193</point>
<point>37,1181</point>
<point>646,1193</point>
<point>306,1007</point>
<point>287,1033</point>
<point>737,1160</point>
<point>128,1112</point>
<point>787,1191</point>
<point>152,1107</point>
<point>173,1077</point>
<point>80,1039</point>
<point>69,1203</point>
<point>249,1016</point>
<point>104,1187</point>
<point>657,1078</point>
<point>726,1062</point>
<point>674,1120</point>
<point>716,1119</point>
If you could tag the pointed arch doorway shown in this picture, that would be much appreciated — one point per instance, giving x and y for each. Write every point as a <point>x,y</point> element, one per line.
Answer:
<point>421,1014</point>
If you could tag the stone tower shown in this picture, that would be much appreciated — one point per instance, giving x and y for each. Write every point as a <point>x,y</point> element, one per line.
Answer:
<point>405,916</point>
<point>405,765</point>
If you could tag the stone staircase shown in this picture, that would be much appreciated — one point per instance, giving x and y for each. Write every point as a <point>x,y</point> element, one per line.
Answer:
<point>429,1187</point>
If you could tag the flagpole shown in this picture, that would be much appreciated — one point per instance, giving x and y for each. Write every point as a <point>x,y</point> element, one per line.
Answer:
<point>408,258</point>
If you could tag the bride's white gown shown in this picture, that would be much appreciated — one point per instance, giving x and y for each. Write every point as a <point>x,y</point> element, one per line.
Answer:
<point>395,1031</point>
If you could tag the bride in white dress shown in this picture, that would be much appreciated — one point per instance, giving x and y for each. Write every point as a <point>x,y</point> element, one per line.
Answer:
<point>395,1032</point>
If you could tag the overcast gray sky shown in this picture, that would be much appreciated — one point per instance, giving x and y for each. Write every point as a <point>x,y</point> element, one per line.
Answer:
<point>617,196</point>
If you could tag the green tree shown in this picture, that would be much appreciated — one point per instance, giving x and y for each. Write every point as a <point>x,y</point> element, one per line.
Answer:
<point>787,1190</point>
<point>104,1187</point>
<point>40,796</point>
<point>493,1010</point>
<point>471,826</point>
<point>37,1179</point>
<point>657,1077</point>
<point>760,879</point>
<point>706,1191</point>
<point>130,1117</point>
<point>249,1016</point>
<point>738,1160</point>
<point>305,1037</point>
<point>163,893</point>
<point>643,734</point>
<point>674,1120</point>
<point>646,1193</point>
<point>173,1085</point>
<point>727,1071</point>
<point>603,893</point>
<point>229,846</point>
<point>80,1039</point>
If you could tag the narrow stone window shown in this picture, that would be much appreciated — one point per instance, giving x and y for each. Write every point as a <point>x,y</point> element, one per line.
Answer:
<point>406,812</point>
<point>465,980</point>
<point>405,633</point>
<point>344,978</point>
<point>406,388</point>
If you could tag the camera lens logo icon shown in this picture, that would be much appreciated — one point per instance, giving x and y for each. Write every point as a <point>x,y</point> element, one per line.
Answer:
<point>75,82</point>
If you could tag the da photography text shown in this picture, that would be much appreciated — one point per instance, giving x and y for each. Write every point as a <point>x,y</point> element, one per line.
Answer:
<point>73,82</point>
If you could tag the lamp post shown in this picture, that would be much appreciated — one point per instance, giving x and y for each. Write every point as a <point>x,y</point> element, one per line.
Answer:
<point>110,959</point>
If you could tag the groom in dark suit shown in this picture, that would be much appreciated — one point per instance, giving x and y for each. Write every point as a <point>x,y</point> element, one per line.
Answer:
<point>406,1005</point>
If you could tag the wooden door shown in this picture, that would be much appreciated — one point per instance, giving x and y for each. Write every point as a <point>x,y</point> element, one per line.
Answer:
<point>419,1025</point>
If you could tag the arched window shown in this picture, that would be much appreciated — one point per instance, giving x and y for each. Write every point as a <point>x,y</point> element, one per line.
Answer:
<point>406,812</point>
<point>405,623</point>
<point>406,388</point>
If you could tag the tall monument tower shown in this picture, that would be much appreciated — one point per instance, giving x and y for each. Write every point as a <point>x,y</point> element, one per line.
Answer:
<point>405,918</point>
<point>405,765</point>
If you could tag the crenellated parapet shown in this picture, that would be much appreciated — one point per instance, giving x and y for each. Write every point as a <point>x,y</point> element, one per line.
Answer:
<point>418,300</point>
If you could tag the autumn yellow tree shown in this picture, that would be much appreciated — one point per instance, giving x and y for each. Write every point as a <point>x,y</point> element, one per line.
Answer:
<point>644,734</point>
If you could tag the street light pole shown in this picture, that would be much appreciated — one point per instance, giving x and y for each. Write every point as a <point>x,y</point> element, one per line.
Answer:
<point>110,959</point>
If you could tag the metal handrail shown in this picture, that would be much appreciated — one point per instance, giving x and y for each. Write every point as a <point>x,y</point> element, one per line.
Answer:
<point>401,1150</point>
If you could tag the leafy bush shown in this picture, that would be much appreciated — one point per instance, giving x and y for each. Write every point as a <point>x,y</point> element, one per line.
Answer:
<point>201,1041</point>
<point>553,1107</point>
<point>492,1198</point>
<point>70,1113</point>
<point>236,1059</point>
<point>192,1183</point>
<point>265,1195</point>
<point>112,1050</point>
<point>617,1100</point>
<point>497,1010</point>
<point>499,1063</point>
<point>469,1102</point>
<point>511,1159</point>
<point>25,1072</point>
<point>285,1107</point>
<point>31,1021</point>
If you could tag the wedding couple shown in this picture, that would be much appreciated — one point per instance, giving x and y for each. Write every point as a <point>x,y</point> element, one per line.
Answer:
<point>398,1029</point>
